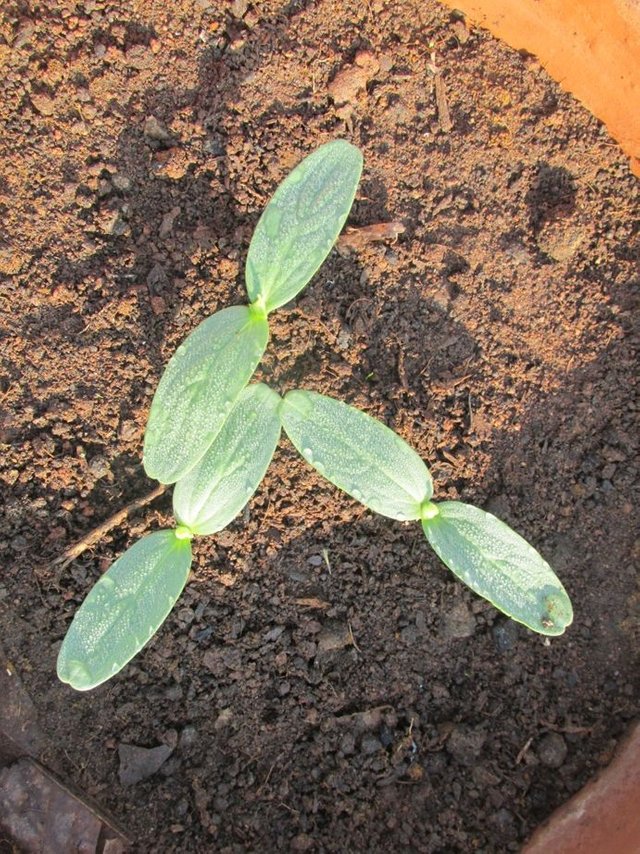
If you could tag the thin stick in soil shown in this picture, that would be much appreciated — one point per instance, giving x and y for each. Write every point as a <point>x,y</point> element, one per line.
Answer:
<point>94,536</point>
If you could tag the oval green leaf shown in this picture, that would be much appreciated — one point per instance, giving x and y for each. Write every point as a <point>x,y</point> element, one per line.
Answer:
<point>219,486</point>
<point>198,388</point>
<point>301,223</point>
<point>358,454</point>
<point>124,610</point>
<point>499,565</point>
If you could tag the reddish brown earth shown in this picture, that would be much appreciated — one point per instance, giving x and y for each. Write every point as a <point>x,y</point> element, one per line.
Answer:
<point>367,701</point>
<point>591,48</point>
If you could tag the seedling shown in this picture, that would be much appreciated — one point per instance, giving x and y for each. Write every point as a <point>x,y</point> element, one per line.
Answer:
<point>208,371</point>
<point>207,430</point>
<point>375,466</point>
<point>214,436</point>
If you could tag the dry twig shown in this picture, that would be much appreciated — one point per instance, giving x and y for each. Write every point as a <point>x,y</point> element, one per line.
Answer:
<point>94,536</point>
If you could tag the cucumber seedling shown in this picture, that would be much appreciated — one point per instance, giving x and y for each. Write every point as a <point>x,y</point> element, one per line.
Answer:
<point>213,435</point>
<point>371,463</point>
<point>207,431</point>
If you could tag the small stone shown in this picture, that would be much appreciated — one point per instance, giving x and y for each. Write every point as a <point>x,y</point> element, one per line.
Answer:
<point>273,634</point>
<point>239,8</point>
<point>409,635</point>
<point>172,163</point>
<point>334,635</point>
<point>505,635</point>
<point>552,750</point>
<point>166,226</point>
<point>223,720</point>
<point>128,431</point>
<point>24,35</point>
<point>344,339</point>
<point>459,622</point>
<point>214,662</point>
<point>43,104</point>
<point>157,279</point>
<point>460,31</point>
<point>350,81</point>
<point>188,738</point>
<point>302,842</point>
<point>121,182</point>
<point>517,253</point>
<point>370,744</point>
<point>155,130</point>
<point>560,240</point>
<point>465,744</point>
<point>99,467</point>
<point>173,693</point>
<point>140,763</point>
<point>158,305</point>
<point>348,744</point>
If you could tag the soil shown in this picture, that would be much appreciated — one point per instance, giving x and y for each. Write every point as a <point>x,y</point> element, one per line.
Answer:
<point>324,684</point>
<point>589,47</point>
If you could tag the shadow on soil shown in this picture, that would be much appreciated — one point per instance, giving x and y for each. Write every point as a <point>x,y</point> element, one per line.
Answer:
<point>270,596</point>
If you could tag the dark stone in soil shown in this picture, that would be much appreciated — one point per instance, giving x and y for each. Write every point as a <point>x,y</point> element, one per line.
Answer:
<point>139,763</point>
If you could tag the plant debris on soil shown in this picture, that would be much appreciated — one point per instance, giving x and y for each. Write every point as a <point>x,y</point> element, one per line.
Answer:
<point>324,684</point>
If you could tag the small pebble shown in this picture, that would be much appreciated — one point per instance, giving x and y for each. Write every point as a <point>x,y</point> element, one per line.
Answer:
<point>370,744</point>
<point>99,467</point>
<point>552,750</point>
<point>459,622</point>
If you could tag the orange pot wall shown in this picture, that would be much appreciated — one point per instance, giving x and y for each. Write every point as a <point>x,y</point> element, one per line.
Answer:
<point>603,818</point>
<point>591,47</point>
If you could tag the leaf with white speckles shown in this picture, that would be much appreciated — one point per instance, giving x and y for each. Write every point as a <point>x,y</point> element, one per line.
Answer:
<point>219,486</point>
<point>301,223</point>
<point>358,454</point>
<point>499,565</point>
<point>198,388</point>
<point>124,609</point>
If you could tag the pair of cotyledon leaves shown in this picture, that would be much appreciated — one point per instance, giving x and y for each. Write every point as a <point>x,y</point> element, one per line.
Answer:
<point>216,437</point>
<point>200,411</point>
<point>208,371</point>
<point>355,452</point>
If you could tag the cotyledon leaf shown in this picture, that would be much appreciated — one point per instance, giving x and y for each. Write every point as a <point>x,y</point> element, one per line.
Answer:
<point>222,482</point>
<point>198,388</point>
<point>357,453</point>
<point>301,223</point>
<point>124,609</point>
<point>499,565</point>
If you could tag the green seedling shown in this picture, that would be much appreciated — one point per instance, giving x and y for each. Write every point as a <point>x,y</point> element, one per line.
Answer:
<point>213,435</point>
<point>208,432</point>
<point>125,609</point>
<point>375,466</point>
<point>216,490</point>
<point>208,371</point>
<point>131,601</point>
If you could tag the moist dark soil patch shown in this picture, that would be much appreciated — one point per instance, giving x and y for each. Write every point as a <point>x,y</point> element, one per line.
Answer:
<point>325,682</point>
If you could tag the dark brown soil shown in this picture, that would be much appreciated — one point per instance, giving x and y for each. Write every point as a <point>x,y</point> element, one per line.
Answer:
<point>326,683</point>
